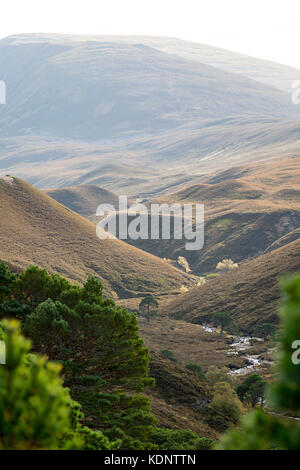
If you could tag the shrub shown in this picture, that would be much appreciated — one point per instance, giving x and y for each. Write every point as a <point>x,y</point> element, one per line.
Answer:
<point>196,369</point>
<point>226,402</point>
<point>226,265</point>
<point>183,263</point>
<point>173,439</point>
<point>168,354</point>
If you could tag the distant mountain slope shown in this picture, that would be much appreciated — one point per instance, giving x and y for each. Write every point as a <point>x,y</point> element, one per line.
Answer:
<point>229,189</point>
<point>92,90</point>
<point>249,293</point>
<point>264,71</point>
<point>36,229</point>
<point>149,165</point>
<point>135,114</point>
<point>84,199</point>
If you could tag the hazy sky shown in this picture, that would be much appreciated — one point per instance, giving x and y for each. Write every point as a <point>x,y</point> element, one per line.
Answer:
<point>268,29</point>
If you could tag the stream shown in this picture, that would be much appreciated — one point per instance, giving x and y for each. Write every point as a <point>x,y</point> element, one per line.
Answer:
<point>240,344</point>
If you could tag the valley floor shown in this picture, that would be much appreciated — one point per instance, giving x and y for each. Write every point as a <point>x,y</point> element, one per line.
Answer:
<point>190,343</point>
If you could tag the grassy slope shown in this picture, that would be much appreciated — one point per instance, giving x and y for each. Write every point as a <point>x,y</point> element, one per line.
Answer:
<point>83,199</point>
<point>250,293</point>
<point>176,395</point>
<point>35,229</point>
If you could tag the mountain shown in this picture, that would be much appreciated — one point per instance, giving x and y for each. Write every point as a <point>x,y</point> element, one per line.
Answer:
<point>250,293</point>
<point>264,71</point>
<point>137,114</point>
<point>92,90</point>
<point>35,229</point>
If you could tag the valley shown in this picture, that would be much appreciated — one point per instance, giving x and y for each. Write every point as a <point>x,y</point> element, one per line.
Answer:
<point>161,121</point>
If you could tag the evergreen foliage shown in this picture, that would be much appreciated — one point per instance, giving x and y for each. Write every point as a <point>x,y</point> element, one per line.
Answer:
<point>36,411</point>
<point>196,369</point>
<point>173,439</point>
<point>146,303</point>
<point>265,330</point>
<point>252,390</point>
<point>224,321</point>
<point>105,362</point>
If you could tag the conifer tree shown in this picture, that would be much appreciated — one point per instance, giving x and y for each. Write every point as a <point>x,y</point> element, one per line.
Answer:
<point>6,281</point>
<point>36,411</point>
<point>105,362</point>
<point>148,302</point>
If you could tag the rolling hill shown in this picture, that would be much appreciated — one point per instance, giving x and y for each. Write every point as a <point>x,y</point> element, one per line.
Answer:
<point>35,229</point>
<point>83,199</point>
<point>250,293</point>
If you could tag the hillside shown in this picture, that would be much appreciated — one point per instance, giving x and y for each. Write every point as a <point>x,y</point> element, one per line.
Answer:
<point>83,199</point>
<point>246,213</point>
<point>249,210</point>
<point>177,395</point>
<point>249,293</point>
<point>36,229</point>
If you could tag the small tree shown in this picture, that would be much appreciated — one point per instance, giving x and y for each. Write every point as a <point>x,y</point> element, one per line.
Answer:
<point>265,330</point>
<point>252,390</point>
<point>219,374</point>
<point>146,303</point>
<point>183,263</point>
<point>226,403</point>
<point>226,265</point>
<point>223,320</point>
<point>183,289</point>
<point>196,369</point>
<point>6,281</point>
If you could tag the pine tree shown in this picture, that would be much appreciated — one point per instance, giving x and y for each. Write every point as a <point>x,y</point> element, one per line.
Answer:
<point>224,320</point>
<point>265,330</point>
<point>6,282</point>
<point>146,303</point>
<point>36,411</point>
<point>252,390</point>
<point>105,362</point>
